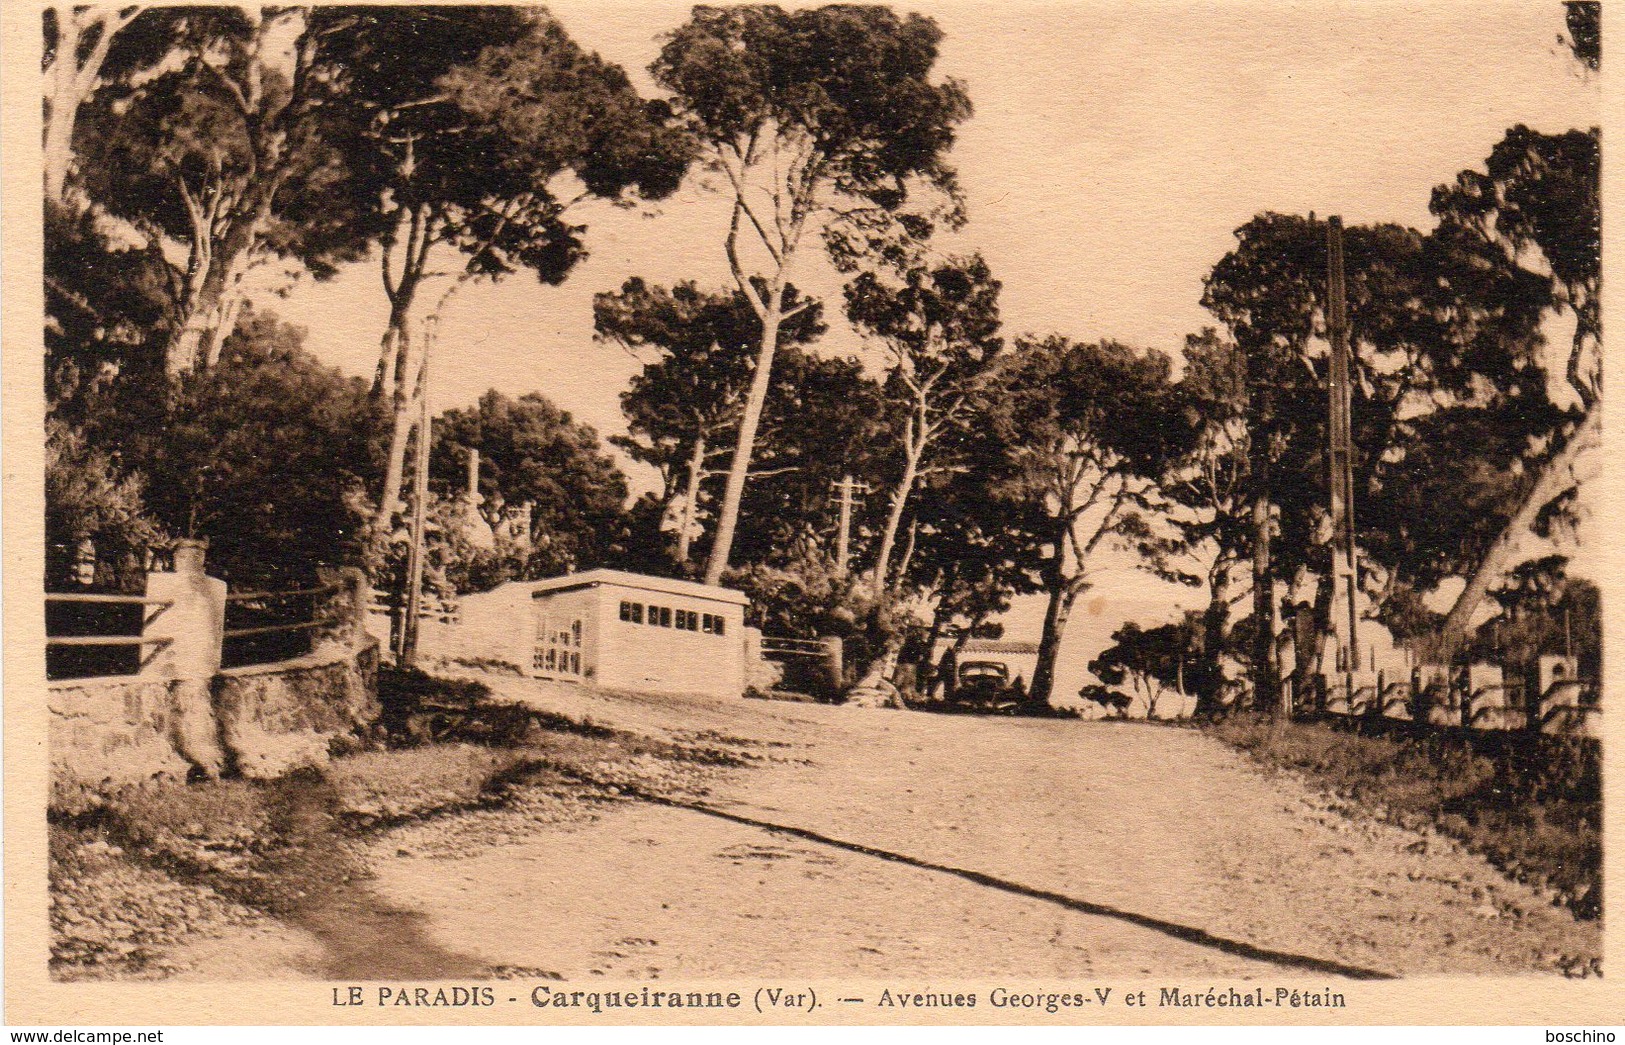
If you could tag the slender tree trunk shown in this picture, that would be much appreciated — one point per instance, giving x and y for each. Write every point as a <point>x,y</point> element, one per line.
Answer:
<point>1062,594</point>
<point>1266,668</point>
<point>908,550</point>
<point>65,99</point>
<point>1310,649</point>
<point>734,492</point>
<point>58,157</point>
<point>1555,477</point>
<point>389,496</point>
<point>389,361</point>
<point>1215,628</point>
<point>696,467</point>
<point>397,375</point>
<point>71,82</point>
<point>894,518</point>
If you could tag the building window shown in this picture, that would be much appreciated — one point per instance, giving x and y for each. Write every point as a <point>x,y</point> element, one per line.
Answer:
<point>688,620</point>
<point>660,615</point>
<point>632,612</point>
<point>711,624</point>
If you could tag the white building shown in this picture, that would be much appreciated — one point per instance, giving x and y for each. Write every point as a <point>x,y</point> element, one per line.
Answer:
<point>612,629</point>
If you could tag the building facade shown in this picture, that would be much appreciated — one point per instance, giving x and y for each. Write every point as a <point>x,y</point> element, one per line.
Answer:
<point>613,629</point>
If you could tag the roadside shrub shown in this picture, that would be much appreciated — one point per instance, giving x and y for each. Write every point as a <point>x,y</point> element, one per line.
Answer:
<point>407,695</point>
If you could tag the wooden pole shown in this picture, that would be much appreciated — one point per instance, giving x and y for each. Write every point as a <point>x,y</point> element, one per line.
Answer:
<point>420,511</point>
<point>843,548</point>
<point>843,535</point>
<point>1340,459</point>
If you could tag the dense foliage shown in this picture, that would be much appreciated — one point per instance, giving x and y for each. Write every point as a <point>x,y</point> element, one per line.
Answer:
<point>199,159</point>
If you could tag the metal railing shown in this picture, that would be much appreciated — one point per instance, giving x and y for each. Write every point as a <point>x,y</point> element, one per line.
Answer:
<point>785,647</point>
<point>430,607</point>
<point>275,630</point>
<point>68,664</point>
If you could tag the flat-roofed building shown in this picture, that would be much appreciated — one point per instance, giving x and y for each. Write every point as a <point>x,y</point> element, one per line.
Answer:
<point>613,629</point>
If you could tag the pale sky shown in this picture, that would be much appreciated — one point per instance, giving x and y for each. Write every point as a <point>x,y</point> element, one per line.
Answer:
<point>1114,149</point>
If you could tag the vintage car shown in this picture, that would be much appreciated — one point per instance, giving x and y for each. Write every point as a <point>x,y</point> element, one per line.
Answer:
<point>984,685</point>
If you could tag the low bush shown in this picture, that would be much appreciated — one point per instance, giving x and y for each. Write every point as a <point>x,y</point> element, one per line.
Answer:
<point>411,699</point>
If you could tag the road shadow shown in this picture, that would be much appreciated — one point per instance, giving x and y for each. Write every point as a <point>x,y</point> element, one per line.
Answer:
<point>1185,933</point>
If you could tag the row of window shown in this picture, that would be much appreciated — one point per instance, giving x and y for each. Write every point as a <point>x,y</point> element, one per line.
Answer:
<point>666,617</point>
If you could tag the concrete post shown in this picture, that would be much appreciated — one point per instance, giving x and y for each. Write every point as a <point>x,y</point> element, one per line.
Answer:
<point>349,626</point>
<point>833,666</point>
<point>1560,707</point>
<point>1486,689</point>
<point>750,654</point>
<point>192,628</point>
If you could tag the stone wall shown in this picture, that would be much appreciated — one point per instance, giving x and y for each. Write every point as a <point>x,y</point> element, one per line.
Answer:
<point>110,732</point>
<point>181,715</point>
<point>268,719</point>
<point>275,718</point>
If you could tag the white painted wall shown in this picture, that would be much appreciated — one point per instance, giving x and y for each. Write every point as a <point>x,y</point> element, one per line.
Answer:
<point>504,623</point>
<point>492,625</point>
<point>659,659</point>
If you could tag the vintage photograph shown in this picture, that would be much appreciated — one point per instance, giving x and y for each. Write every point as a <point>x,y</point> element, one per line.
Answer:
<point>556,509</point>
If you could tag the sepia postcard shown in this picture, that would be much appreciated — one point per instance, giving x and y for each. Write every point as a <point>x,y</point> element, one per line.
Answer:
<point>924,512</point>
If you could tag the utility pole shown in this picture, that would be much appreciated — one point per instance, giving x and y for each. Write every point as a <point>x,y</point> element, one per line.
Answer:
<point>420,510</point>
<point>843,537</point>
<point>1340,458</point>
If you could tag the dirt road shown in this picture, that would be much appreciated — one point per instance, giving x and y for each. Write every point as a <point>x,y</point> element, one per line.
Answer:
<point>863,843</point>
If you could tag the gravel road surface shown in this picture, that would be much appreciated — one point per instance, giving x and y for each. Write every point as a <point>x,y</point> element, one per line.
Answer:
<point>872,843</point>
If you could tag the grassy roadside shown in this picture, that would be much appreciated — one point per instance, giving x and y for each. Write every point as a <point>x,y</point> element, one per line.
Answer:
<point>150,868</point>
<point>1531,804</point>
